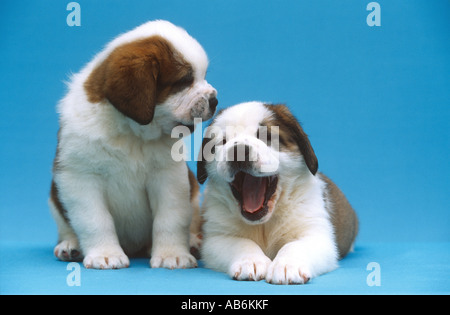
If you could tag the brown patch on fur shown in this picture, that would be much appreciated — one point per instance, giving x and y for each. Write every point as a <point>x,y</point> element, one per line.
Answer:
<point>56,201</point>
<point>54,194</point>
<point>137,76</point>
<point>291,134</point>
<point>343,217</point>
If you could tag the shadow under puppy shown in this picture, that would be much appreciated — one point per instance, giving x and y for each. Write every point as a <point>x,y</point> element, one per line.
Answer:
<point>268,214</point>
<point>116,191</point>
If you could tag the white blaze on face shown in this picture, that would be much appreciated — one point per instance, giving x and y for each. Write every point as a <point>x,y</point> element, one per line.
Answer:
<point>239,126</point>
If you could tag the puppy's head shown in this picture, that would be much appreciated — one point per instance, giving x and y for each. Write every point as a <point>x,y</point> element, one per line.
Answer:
<point>155,68</point>
<point>255,149</point>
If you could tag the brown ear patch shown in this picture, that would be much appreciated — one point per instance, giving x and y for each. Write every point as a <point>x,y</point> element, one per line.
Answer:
<point>137,76</point>
<point>291,134</point>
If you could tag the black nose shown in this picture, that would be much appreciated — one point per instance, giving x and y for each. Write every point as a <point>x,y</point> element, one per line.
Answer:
<point>213,103</point>
<point>241,153</point>
<point>239,157</point>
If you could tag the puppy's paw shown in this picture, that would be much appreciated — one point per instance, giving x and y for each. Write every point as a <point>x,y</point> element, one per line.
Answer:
<point>106,260</point>
<point>173,261</point>
<point>286,271</point>
<point>253,268</point>
<point>68,250</point>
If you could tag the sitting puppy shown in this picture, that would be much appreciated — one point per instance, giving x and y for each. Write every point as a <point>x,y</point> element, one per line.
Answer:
<point>116,191</point>
<point>268,213</point>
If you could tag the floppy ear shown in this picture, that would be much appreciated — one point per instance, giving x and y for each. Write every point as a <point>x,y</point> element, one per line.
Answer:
<point>306,149</point>
<point>132,90</point>
<point>290,126</point>
<point>208,150</point>
<point>128,80</point>
<point>202,173</point>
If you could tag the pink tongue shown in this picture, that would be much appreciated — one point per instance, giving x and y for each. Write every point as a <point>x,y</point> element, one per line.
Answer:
<point>253,191</point>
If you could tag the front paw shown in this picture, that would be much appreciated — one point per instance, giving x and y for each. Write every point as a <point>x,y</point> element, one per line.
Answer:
<point>287,271</point>
<point>253,268</point>
<point>98,259</point>
<point>173,261</point>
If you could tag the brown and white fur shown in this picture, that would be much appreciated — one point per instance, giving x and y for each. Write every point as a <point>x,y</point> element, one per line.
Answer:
<point>116,191</point>
<point>269,214</point>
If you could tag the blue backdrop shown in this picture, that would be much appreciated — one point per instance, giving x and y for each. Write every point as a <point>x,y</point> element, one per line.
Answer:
<point>375,101</point>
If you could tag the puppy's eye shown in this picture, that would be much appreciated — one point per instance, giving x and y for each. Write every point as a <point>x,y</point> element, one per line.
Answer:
<point>186,80</point>
<point>183,83</point>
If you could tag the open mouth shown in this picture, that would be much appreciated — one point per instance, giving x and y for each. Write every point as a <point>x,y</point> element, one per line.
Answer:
<point>253,194</point>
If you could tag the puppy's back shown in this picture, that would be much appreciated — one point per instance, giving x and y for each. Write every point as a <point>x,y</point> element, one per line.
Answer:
<point>343,217</point>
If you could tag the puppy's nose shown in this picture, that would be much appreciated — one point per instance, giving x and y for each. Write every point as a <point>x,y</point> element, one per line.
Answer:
<point>239,157</point>
<point>213,103</point>
<point>241,153</point>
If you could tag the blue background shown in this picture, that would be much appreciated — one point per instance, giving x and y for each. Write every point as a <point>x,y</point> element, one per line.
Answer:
<point>375,102</point>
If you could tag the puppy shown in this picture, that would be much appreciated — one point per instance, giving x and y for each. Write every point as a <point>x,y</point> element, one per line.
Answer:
<point>268,213</point>
<point>116,191</point>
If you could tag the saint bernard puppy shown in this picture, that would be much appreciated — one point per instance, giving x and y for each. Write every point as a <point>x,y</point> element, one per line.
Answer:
<point>116,191</point>
<point>268,214</point>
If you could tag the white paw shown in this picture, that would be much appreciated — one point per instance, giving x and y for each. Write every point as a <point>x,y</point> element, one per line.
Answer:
<point>250,268</point>
<point>286,271</point>
<point>106,260</point>
<point>173,261</point>
<point>68,250</point>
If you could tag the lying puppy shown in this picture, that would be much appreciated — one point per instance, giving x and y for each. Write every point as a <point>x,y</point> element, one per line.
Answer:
<point>116,191</point>
<point>268,213</point>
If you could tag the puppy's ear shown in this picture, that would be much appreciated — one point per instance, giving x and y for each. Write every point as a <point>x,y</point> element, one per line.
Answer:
<point>202,173</point>
<point>291,131</point>
<point>127,78</point>
<point>208,151</point>
<point>306,149</point>
<point>132,89</point>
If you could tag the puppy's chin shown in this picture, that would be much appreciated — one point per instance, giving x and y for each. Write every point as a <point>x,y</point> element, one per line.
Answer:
<point>171,116</point>
<point>256,196</point>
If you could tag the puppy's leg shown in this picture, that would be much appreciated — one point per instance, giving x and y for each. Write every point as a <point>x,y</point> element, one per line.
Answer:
<point>92,222</point>
<point>67,248</point>
<point>241,258</point>
<point>171,219</point>
<point>195,235</point>
<point>195,238</point>
<point>299,261</point>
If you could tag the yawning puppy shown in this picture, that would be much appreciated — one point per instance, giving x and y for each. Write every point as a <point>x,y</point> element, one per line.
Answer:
<point>268,213</point>
<point>116,191</point>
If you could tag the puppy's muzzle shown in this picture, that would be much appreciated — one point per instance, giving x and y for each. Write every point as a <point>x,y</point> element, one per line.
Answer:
<point>240,157</point>
<point>204,106</point>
